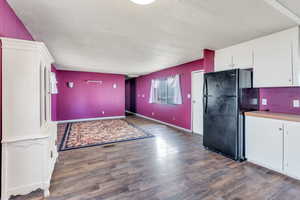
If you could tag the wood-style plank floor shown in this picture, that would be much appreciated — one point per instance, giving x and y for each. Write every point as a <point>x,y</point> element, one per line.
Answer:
<point>172,166</point>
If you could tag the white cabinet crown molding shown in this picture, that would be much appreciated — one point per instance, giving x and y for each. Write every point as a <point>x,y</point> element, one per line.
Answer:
<point>9,43</point>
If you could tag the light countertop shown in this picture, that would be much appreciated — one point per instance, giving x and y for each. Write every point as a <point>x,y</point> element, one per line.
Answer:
<point>272,115</point>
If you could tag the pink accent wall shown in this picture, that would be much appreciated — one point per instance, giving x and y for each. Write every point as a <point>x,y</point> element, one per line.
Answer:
<point>0,89</point>
<point>280,99</point>
<point>209,60</point>
<point>88,100</point>
<point>10,25</point>
<point>179,115</point>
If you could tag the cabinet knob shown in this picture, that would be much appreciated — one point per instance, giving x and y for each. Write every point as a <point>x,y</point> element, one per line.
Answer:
<point>280,129</point>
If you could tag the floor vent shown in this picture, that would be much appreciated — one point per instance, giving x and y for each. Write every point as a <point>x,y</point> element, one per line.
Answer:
<point>109,146</point>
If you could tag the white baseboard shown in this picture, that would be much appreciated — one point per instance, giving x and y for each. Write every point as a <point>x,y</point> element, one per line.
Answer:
<point>161,122</point>
<point>90,119</point>
<point>130,112</point>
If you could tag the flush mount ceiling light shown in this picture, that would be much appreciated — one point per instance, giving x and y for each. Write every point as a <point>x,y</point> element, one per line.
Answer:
<point>142,2</point>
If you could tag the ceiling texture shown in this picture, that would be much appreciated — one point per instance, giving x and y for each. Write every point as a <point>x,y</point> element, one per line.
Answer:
<point>118,36</point>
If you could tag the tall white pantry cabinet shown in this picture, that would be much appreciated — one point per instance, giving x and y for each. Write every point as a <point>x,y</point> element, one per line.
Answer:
<point>29,136</point>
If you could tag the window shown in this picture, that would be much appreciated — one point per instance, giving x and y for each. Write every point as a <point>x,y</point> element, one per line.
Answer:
<point>166,91</point>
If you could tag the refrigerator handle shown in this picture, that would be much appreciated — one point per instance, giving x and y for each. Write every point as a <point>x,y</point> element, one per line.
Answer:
<point>205,87</point>
<point>205,96</point>
<point>205,109</point>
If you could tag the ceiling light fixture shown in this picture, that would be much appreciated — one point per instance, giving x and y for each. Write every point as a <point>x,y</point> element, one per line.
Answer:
<point>142,2</point>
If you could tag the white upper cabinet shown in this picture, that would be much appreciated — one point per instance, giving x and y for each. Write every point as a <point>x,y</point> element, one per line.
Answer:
<point>237,56</point>
<point>223,59</point>
<point>273,60</point>
<point>242,55</point>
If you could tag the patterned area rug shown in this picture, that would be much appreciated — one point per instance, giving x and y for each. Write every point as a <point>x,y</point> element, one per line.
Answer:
<point>101,132</point>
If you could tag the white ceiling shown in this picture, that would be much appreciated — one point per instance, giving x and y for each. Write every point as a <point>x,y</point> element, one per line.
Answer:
<point>118,36</point>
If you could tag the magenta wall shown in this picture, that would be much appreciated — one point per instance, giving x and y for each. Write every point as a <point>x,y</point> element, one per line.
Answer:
<point>88,100</point>
<point>10,24</point>
<point>179,115</point>
<point>280,99</point>
<point>0,89</point>
<point>209,60</point>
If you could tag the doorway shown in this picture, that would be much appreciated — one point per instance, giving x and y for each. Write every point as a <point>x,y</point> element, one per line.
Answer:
<point>197,102</point>
<point>130,95</point>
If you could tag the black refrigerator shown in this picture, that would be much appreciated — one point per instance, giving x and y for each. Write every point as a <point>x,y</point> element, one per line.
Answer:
<point>227,95</point>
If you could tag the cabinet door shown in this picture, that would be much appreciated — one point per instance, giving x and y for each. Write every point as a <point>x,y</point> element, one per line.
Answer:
<point>264,142</point>
<point>223,59</point>
<point>292,149</point>
<point>243,55</point>
<point>21,92</point>
<point>273,61</point>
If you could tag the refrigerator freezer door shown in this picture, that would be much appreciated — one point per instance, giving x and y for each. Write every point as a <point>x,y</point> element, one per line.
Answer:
<point>221,125</point>
<point>221,83</point>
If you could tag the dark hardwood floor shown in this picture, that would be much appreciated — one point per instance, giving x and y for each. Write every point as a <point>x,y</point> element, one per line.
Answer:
<point>172,166</point>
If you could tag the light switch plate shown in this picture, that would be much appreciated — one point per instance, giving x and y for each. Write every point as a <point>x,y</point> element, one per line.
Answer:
<point>264,102</point>
<point>296,103</point>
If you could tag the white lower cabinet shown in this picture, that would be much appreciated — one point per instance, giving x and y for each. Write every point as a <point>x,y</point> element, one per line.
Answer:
<point>292,149</point>
<point>264,142</point>
<point>274,144</point>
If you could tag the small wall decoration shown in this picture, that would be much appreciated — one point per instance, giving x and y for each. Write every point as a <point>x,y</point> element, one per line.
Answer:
<point>94,81</point>
<point>70,84</point>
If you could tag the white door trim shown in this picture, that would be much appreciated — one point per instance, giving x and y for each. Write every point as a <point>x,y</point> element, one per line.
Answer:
<point>192,114</point>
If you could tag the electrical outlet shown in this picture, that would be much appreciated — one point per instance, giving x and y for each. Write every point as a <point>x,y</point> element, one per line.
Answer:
<point>153,113</point>
<point>103,112</point>
<point>296,103</point>
<point>264,102</point>
<point>143,96</point>
<point>254,101</point>
<point>114,85</point>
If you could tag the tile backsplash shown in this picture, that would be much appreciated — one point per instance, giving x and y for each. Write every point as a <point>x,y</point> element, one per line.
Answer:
<point>280,99</point>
